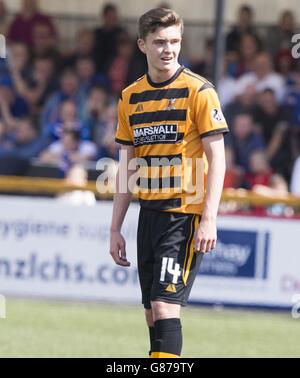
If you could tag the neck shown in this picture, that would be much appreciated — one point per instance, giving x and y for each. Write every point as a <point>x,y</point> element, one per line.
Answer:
<point>158,76</point>
<point>28,13</point>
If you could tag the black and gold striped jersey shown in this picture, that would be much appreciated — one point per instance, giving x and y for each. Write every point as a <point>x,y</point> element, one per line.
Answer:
<point>165,122</point>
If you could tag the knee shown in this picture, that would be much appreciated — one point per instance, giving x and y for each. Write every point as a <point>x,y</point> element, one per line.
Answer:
<point>162,310</point>
<point>149,318</point>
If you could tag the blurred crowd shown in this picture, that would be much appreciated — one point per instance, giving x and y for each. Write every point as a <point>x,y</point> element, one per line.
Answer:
<point>61,106</point>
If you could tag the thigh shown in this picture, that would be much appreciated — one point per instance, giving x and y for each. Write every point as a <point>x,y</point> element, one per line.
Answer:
<point>176,264</point>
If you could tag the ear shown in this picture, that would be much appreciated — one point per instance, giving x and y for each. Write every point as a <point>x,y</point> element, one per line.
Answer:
<point>141,45</point>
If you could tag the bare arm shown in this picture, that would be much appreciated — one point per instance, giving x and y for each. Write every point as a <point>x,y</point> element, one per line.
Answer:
<point>276,140</point>
<point>206,234</point>
<point>120,207</point>
<point>31,95</point>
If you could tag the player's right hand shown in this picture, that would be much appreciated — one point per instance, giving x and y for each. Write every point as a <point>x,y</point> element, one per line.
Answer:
<point>118,248</point>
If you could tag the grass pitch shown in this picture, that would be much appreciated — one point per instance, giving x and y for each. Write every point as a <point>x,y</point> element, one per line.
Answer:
<point>51,329</point>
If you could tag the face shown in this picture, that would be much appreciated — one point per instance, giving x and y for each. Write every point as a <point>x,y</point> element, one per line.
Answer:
<point>258,162</point>
<point>267,101</point>
<point>263,65</point>
<point>43,38</point>
<point>245,18</point>
<point>2,9</point>
<point>69,84</point>
<point>242,126</point>
<point>248,97</point>
<point>162,48</point>
<point>24,132</point>
<point>43,69</point>
<point>69,143</point>
<point>85,69</point>
<point>111,17</point>
<point>287,21</point>
<point>248,46</point>
<point>68,111</point>
<point>85,42</point>
<point>30,5</point>
<point>19,55</point>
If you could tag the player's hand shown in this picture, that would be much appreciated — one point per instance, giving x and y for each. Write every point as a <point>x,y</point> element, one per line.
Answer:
<point>118,248</point>
<point>205,237</point>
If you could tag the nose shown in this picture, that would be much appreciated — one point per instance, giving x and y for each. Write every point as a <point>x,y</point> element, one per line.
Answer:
<point>168,47</point>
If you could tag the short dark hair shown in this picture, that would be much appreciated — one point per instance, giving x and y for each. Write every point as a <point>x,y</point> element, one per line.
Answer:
<point>109,7</point>
<point>156,18</point>
<point>246,8</point>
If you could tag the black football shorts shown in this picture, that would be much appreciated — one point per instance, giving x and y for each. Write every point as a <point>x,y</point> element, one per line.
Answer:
<point>167,262</point>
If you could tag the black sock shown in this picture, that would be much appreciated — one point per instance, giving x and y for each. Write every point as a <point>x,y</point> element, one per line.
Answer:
<point>168,337</point>
<point>152,339</point>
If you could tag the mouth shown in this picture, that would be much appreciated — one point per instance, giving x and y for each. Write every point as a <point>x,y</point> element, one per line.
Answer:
<point>167,59</point>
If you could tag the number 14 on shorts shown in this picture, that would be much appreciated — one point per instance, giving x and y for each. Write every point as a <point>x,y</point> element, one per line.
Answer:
<point>169,266</point>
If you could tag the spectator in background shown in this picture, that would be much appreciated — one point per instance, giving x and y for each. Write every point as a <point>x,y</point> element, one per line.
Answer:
<point>4,22</point>
<point>68,90</point>
<point>69,150</point>
<point>244,140</point>
<point>12,106</point>
<point>249,47</point>
<point>226,87</point>
<point>137,64</point>
<point>204,67</point>
<point>68,119</point>
<point>260,172</point>
<point>21,28</point>
<point>38,85</point>
<point>94,111</point>
<point>295,180</point>
<point>244,103</point>
<point>44,82</point>
<point>18,62</point>
<point>4,135</point>
<point>105,139</point>
<point>293,99</point>
<point>285,65</point>
<point>84,47</point>
<point>87,75</point>
<point>274,122</point>
<point>263,181</point>
<point>45,43</point>
<point>77,175</point>
<point>118,72</point>
<point>234,174</point>
<point>280,36</point>
<point>244,25</point>
<point>106,37</point>
<point>24,142</point>
<point>263,77</point>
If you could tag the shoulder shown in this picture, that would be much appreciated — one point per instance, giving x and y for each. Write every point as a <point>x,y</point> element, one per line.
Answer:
<point>132,88</point>
<point>55,147</point>
<point>195,81</point>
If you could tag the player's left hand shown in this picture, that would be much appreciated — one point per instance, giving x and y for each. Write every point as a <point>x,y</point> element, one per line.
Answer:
<point>205,237</point>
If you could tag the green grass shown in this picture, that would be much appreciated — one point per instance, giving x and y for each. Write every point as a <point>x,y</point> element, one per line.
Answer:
<point>50,329</point>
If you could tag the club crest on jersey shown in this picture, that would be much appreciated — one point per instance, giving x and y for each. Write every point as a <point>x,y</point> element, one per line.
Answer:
<point>217,115</point>
<point>171,105</point>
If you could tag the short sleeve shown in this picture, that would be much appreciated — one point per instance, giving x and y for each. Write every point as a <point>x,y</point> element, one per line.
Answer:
<point>124,132</point>
<point>208,116</point>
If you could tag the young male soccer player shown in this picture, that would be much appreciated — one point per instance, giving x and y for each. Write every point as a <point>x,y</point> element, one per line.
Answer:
<point>170,119</point>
